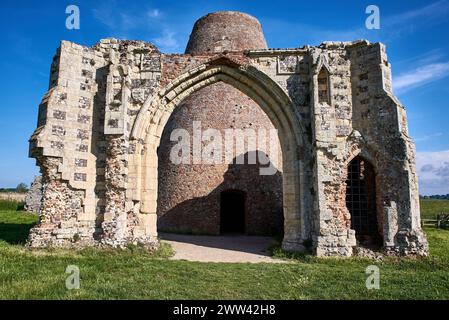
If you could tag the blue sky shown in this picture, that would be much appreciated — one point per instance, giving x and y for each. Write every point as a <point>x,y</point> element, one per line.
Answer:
<point>415,32</point>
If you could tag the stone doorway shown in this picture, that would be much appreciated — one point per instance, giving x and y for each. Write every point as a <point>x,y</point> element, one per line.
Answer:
<point>361,202</point>
<point>232,212</point>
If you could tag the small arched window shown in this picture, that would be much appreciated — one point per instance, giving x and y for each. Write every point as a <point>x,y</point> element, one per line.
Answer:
<point>323,86</point>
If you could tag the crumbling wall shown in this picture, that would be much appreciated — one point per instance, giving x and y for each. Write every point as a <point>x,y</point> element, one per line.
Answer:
<point>33,199</point>
<point>134,74</point>
<point>59,223</point>
<point>362,118</point>
<point>332,128</point>
<point>381,120</point>
<point>65,135</point>
<point>100,178</point>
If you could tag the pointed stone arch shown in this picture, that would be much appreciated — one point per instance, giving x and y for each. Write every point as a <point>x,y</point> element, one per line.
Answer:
<point>151,120</point>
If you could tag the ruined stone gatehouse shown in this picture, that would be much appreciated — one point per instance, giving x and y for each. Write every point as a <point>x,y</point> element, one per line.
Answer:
<point>346,172</point>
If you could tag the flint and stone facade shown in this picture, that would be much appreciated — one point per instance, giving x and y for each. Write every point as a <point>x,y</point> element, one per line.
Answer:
<point>101,122</point>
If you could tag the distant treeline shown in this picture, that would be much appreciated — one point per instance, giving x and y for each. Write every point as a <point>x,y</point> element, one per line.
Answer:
<point>21,188</point>
<point>438,197</point>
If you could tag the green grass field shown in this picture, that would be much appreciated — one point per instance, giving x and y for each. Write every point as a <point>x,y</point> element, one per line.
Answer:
<point>135,274</point>
<point>430,208</point>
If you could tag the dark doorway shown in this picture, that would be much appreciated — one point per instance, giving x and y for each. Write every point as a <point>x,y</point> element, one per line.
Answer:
<point>361,201</point>
<point>232,211</point>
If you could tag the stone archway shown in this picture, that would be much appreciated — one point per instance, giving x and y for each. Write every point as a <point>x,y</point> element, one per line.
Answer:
<point>151,120</point>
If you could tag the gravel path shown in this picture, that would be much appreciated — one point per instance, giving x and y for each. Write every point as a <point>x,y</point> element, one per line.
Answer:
<point>249,249</point>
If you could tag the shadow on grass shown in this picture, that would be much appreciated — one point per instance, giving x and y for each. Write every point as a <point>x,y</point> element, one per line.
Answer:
<point>14,233</point>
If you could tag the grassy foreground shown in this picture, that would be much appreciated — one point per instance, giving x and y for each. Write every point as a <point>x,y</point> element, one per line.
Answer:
<point>134,274</point>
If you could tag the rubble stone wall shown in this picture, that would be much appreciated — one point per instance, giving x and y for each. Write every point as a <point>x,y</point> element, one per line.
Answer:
<point>33,199</point>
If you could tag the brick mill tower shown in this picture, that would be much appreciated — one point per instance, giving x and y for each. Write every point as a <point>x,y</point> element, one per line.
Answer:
<point>219,198</point>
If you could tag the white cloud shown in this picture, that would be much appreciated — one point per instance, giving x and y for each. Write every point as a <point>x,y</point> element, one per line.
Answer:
<point>427,168</point>
<point>443,171</point>
<point>421,76</point>
<point>408,22</point>
<point>433,172</point>
<point>167,42</point>
<point>392,26</point>
<point>154,13</point>
<point>137,23</point>
<point>105,15</point>
<point>430,13</point>
<point>428,137</point>
<point>120,19</point>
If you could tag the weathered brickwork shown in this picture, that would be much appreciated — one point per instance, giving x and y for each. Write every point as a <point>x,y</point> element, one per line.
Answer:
<point>102,121</point>
<point>189,194</point>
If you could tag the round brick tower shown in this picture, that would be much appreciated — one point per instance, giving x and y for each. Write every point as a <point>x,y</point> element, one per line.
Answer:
<point>221,197</point>
<point>226,31</point>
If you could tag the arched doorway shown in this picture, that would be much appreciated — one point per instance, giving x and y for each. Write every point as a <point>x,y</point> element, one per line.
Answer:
<point>231,127</point>
<point>150,122</point>
<point>232,211</point>
<point>361,201</point>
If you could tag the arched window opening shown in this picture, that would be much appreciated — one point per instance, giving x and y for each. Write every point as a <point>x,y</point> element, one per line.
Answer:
<point>323,86</point>
<point>361,201</point>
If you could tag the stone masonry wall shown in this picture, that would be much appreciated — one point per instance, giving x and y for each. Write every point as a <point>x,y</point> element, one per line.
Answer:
<point>102,119</point>
<point>291,69</point>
